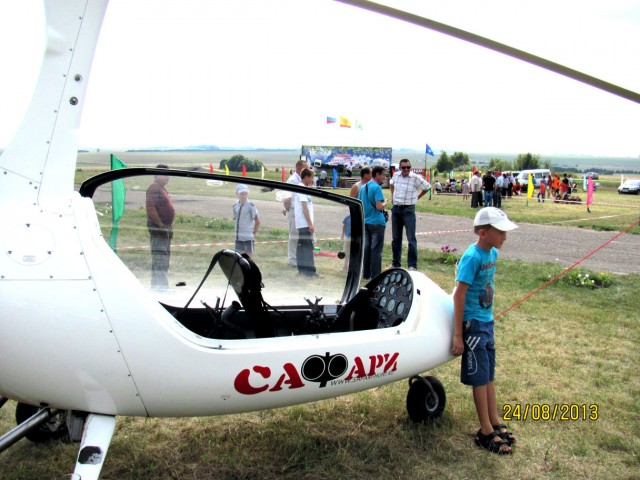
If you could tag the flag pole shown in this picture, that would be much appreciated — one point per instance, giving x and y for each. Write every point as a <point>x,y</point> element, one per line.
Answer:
<point>425,163</point>
<point>428,151</point>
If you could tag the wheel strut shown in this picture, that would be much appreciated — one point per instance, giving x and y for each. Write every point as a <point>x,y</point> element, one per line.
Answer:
<point>419,378</point>
<point>25,427</point>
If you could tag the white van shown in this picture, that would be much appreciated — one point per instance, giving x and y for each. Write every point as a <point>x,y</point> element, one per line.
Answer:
<point>536,173</point>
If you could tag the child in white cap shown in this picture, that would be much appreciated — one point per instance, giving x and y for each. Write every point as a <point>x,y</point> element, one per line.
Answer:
<point>245,217</point>
<point>473,325</point>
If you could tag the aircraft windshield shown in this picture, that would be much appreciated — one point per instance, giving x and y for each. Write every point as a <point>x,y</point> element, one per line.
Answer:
<point>172,226</point>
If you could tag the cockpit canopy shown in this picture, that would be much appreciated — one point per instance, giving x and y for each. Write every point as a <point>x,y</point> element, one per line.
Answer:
<point>166,226</point>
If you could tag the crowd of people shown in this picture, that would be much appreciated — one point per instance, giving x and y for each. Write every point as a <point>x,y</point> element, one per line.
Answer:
<point>492,187</point>
<point>406,188</point>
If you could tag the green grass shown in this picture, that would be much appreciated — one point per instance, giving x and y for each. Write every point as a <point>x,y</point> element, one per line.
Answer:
<point>568,344</point>
<point>609,211</point>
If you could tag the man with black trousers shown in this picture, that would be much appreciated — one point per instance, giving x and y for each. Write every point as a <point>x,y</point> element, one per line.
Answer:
<point>475,186</point>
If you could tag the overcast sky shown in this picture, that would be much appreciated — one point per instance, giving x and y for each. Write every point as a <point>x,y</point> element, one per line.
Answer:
<point>267,73</point>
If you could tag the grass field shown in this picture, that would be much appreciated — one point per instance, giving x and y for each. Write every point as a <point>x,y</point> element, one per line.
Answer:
<point>570,346</point>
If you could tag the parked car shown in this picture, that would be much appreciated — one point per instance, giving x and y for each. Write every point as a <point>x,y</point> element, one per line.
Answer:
<point>537,174</point>
<point>630,186</point>
<point>596,185</point>
<point>593,175</point>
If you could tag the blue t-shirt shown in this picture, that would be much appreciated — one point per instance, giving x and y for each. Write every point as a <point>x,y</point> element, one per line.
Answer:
<point>347,226</point>
<point>369,194</point>
<point>476,268</point>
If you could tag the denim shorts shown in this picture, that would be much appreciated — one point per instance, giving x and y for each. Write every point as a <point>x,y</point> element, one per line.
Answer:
<point>479,358</point>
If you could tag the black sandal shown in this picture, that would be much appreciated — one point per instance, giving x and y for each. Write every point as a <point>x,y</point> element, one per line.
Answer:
<point>488,442</point>
<point>506,435</point>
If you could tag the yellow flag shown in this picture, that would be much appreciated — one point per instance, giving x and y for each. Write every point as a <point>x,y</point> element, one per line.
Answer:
<point>344,122</point>
<point>226,169</point>
<point>262,172</point>
<point>530,187</point>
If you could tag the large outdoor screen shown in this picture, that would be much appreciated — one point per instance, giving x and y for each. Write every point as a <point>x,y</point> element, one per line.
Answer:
<point>345,158</point>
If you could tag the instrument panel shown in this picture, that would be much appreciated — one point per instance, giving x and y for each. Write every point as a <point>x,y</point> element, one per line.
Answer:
<point>392,296</point>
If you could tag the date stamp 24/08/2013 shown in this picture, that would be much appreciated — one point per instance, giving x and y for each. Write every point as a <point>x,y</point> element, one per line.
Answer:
<point>563,412</point>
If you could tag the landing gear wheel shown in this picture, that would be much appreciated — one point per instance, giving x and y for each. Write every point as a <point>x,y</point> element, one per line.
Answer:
<point>426,399</point>
<point>53,429</point>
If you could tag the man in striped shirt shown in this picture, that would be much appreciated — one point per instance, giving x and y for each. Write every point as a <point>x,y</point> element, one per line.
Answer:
<point>406,189</point>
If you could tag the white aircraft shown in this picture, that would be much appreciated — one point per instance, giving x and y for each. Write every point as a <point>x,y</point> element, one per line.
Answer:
<point>130,297</point>
<point>90,333</point>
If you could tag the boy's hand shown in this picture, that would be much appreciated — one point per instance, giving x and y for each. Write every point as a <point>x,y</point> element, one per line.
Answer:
<point>458,345</point>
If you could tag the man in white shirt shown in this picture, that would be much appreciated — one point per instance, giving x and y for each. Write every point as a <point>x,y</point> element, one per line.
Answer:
<point>475,186</point>
<point>406,189</point>
<point>289,211</point>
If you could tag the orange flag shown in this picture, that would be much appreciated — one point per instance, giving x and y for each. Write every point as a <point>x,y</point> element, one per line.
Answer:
<point>244,170</point>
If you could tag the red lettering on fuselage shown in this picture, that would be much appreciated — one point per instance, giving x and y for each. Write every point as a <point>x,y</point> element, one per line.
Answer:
<point>256,380</point>
<point>290,377</point>
<point>388,361</point>
<point>242,384</point>
<point>357,369</point>
<point>391,362</point>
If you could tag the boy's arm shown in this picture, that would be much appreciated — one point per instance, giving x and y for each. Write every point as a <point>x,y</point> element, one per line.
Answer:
<point>256,225</point>
<point>458,314</point>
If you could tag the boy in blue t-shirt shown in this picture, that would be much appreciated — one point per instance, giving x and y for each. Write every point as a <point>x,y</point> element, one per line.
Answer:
<point>373,203</point>
<point>473,325</point>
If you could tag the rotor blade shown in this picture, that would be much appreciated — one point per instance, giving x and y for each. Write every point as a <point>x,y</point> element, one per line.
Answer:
<point>493,45</point>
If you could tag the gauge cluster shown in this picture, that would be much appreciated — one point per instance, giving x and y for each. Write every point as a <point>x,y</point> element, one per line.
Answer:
<point>392,295</point>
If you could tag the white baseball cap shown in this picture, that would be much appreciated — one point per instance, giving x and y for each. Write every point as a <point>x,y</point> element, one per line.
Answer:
<point>495,217</point>
<point>242,188</point>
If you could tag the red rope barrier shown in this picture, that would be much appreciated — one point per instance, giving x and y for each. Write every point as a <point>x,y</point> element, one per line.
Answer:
<point>568,269</point>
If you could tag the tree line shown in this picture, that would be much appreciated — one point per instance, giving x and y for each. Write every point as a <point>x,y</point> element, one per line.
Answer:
<point>236,162</point>
<point>460,161</point>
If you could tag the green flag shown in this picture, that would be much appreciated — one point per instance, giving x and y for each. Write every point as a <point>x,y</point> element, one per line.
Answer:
<point>117,201</point>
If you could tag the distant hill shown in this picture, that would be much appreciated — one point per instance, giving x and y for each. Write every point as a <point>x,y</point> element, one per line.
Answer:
<point>209,148</point>
<point>276,158</point>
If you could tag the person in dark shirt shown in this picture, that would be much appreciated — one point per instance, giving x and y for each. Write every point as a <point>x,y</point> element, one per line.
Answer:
<point>488,183</point>
<point>160,215</point>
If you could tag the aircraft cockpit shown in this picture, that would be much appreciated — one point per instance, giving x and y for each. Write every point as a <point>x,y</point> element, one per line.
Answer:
<point>234,258</point>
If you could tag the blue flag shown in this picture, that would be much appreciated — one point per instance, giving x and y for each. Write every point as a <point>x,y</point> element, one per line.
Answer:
<point>335,178</point>
<point>429,151</point>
